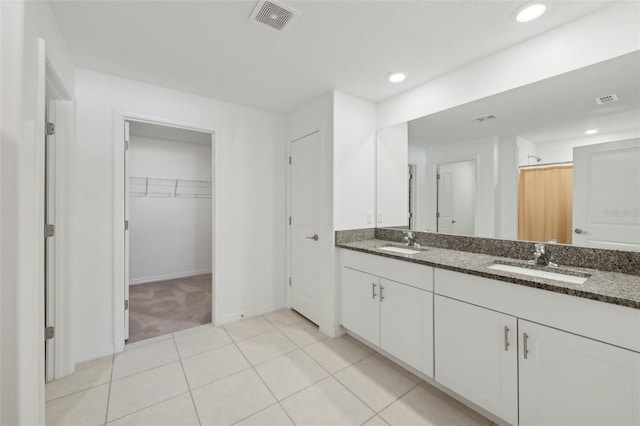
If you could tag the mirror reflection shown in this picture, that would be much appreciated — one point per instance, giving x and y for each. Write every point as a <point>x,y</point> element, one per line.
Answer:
<point>556,160</point>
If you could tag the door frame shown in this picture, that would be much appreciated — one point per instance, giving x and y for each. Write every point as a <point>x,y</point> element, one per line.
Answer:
<point>119,118</point>
<point>59,299</point>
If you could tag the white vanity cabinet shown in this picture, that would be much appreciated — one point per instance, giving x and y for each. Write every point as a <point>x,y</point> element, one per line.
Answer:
<point>476,355</point>
<point>559,373</point>
<point>567,379</point>
<point>389,303</point>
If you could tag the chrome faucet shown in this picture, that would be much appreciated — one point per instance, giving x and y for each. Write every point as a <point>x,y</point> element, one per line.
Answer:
<point>410,238</point>
<point>541,257</point>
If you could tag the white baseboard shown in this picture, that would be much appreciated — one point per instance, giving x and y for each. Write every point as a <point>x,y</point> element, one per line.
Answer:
<point>252,312</point>
<point>172,276</point>
<point>95,354</point>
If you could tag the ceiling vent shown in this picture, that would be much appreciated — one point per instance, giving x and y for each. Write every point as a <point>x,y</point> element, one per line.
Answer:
<point>485,118</point>
<point>607,99</point>
<point>274,15</point>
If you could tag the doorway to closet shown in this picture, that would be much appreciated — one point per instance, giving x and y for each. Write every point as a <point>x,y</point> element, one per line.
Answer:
<point>168,229</point>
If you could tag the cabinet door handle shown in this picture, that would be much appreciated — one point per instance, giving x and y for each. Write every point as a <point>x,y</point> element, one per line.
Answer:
<point>525,342</point>
<point>506,338</point>
<point>381,296</point>
<point>373,290</point>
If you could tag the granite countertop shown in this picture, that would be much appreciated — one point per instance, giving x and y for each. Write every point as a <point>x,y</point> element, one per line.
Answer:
<point>609,287</point>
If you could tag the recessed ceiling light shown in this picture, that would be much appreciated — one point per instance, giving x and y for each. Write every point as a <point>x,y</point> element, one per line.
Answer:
<point>591,132</point>
<point>396,77</point>
<point>530,12</point>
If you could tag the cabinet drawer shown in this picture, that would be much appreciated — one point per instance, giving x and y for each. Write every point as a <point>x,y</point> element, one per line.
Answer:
<point>413,274</point>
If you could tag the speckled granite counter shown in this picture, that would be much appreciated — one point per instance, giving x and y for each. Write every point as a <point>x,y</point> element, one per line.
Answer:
<point>610,287</point>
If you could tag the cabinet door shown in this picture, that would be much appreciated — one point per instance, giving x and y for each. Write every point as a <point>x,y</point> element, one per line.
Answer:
<point>567,379</point>
<point>406,324</point>
<point>476,355</point>
<point>360,304</point>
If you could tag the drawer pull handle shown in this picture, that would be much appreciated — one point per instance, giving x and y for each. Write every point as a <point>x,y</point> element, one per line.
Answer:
<point>373,290</point>
<point>525,337</point>
<point>506,338</point>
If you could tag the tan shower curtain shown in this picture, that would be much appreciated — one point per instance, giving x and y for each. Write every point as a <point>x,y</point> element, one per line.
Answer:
<point>545,204</point>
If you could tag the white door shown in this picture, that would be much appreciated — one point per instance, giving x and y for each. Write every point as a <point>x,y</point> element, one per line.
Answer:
<point>406,324</point>
<point>49,245</point>
<point>126,230</point>
<point>305,225</point>
<point>476,355</point>
<point>360,310</point>
<point>571,380</point>
<point>445,217</point>
<point>606,195</point>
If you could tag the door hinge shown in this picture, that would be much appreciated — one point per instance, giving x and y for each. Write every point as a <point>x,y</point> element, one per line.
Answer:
<point>289,160</point>
<point>126,305</point>
<point>49,230</point>
<point>51,129</point>
<point>438,176</point>
<point>126,225</point>
<point>289,281</point>
<point>289,220</point>
<point>126,145</point>
<point>48,333</point>
<point>438,215</point>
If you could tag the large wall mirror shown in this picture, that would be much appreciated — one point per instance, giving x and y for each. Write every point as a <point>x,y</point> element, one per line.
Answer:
<point>558,159</point>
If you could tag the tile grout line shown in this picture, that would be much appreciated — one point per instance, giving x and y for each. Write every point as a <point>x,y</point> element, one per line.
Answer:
<point>193,402</point>
<point>106,414</point>
<point>262,380</point>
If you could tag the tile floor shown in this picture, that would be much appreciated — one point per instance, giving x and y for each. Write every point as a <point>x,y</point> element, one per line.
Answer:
<point>274,369</point>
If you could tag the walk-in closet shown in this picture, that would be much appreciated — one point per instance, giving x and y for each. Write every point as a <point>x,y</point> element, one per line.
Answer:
<point>170,217</point>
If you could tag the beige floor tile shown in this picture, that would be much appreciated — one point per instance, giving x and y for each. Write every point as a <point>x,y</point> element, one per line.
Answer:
<point>266,346</point>
<point>376,421</point>
<point>213,365</point>
<point>374,382</point>
<point>87,407</point>
<point>176,411</point>
<point>231,399</point>
<point>272,416</point>
<point>304,333</point>
<point>336,354</point>
<point>249,327</point>
<point>456,404</point>
<point>142,358</point>
<point>400,369</point>
<point>87,375</point>
<point>202,340</point>
<point>326,403</point>
<point>192,329</point>
<point>421,407</point>
<point>147,341</point>
<point>284,317</point>
<point>142,390</point>
<point>290,373</point>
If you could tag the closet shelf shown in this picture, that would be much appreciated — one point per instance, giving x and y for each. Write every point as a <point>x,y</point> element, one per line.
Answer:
<point>169,188</point>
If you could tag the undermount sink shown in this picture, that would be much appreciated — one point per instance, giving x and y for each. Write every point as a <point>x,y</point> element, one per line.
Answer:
<point>574,279</point>
<point>399,250</point>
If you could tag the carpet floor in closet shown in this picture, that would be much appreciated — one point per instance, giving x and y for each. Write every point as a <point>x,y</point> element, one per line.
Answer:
<point>163,307</point>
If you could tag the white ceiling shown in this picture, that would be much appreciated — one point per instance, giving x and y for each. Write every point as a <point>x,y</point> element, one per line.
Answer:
<point>559,108</point>
<point>210,48</point>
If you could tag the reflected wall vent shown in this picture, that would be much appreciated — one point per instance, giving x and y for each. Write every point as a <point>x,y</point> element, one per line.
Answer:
<point>273,15</point>
<point>607,99</point>
<point>484,118</point>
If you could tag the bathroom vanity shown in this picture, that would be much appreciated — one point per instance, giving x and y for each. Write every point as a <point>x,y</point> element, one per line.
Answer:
<point>526,349</point>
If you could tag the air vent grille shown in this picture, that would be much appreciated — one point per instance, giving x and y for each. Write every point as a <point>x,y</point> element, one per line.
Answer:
<point>484,117</point>
<point>273,14</point>
<point>607,99</point>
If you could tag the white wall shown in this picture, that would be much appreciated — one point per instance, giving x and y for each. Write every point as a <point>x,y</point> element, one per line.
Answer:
<point>22,57</point>
<point>507,189</point>
<point>354,162</point>
<point>602,35</point>
<point>392,186</point>
<point>250,201</point>
<point>169,237</point>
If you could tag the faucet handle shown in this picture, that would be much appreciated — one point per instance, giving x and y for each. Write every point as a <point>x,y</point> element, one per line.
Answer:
<point>539,248</point>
